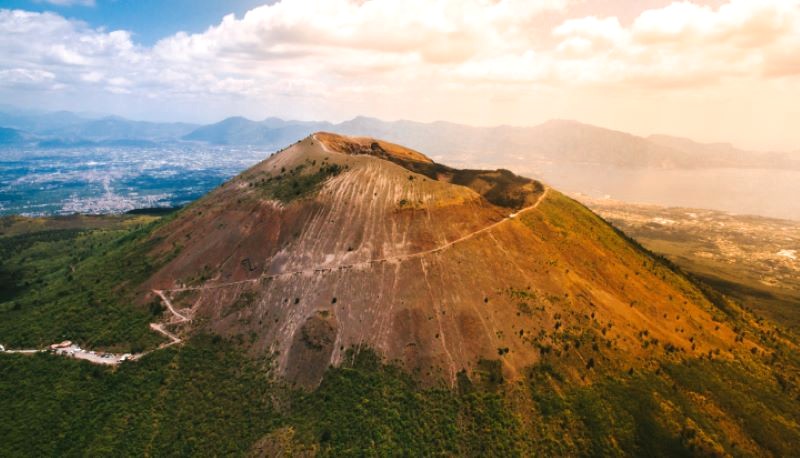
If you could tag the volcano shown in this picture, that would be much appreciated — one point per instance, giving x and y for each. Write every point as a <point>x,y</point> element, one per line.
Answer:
<point>336,243</point>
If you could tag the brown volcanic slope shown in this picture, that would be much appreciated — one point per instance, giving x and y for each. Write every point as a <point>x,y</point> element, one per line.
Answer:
<point>337,242</point>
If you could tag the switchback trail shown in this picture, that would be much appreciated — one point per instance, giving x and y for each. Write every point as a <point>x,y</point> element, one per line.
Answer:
<point>110,359</point>
<point>177,317</point>
<point>160,327</point>
<point>181,318</point>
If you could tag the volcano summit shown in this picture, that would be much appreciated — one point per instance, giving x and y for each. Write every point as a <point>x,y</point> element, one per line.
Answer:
<point>339,242</point>
<point>349,296</point>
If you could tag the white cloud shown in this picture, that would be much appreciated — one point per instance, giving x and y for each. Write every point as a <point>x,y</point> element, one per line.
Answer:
<point>363,54</point>
<point>323,46</point>
<point>25,77</point>
<point>92,77</point>
<point>436,31</point>
<point>683,44</point>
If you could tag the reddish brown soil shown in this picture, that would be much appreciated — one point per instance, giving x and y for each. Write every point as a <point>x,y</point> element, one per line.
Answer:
<point>429,273</point>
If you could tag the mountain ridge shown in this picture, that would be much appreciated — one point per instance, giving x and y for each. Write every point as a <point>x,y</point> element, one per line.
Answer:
<point>320,230</point>
<point>10,136</point>
<point>554,140</point>
<point>557,141</point>
<point>353,296</point>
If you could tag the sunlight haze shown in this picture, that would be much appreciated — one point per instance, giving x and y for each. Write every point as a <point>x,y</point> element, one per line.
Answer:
<point>712,71</point>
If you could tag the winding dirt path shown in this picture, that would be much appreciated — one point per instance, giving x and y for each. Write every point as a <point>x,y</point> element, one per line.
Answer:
<point>177,317</point>
<point>397,258</point>
<point>158,327</point>
<point>324,146</point>
<point>111,359</point>
<point>161,327</point>
<point>181,318</point>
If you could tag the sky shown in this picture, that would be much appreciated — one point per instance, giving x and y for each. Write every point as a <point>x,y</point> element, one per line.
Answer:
<point>719,70</point>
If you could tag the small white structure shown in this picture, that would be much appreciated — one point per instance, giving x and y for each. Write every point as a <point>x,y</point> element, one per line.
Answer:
<point>63,344</point>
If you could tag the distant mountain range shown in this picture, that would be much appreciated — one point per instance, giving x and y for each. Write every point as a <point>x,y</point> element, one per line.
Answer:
<point>9,136</point>
<point>67,128</point>
<point>271,132</point>
<point>557,141</point>
<point>352,297</point>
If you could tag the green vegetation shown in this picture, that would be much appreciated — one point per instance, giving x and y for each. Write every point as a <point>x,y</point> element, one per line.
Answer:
<point>209,397</point>
<point>297,182</point>
<point>206,398</point>
<point>369,408</point>
<point>685,409</point>
<point>201,399</point>
<point>573,219</point>
<point>528,301</point>
<point>766,410</point>
<point>364,406</point>
<point>78,285</point>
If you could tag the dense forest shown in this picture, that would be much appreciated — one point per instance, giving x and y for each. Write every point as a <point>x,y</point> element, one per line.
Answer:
<point>205,397</point>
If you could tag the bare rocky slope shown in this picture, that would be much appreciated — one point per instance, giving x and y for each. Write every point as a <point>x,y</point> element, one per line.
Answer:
<point>337,242</point>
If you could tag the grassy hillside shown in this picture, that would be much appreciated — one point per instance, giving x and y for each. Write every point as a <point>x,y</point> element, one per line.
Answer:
<point>201,399</point>
<point>205,397</point>
<point>740,255</point>
<point>579,357</point>
<point>73,280</point>
<point>430,266</point>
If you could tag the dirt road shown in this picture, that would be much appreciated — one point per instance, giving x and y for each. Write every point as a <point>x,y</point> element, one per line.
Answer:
<point>397,258</point>
<point>110,359</point>
<point>177,317</point>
